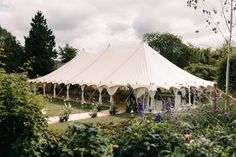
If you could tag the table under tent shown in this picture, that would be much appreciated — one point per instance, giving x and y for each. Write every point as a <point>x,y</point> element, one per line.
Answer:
<point>143,69</point>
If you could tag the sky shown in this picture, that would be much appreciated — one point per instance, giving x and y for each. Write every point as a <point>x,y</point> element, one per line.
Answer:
<point>94,24</point>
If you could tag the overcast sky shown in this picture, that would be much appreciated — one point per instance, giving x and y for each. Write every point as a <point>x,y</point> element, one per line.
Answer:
<point>93,24</point>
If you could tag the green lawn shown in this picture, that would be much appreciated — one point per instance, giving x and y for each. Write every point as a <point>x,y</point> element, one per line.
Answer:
<point>60,127</point>
<point>54,107</point>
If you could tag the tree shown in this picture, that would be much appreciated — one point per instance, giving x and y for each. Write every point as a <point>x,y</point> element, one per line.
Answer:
<point>1,52</point>
<point>204,71</point>
<point>22,124</point>
<point>12,53</point>
<point>67,53</point>
<point>171,47</point>
<point>214,15</point>
<point>40,47</point>
<point>232,76</point>
<point>206,64</point>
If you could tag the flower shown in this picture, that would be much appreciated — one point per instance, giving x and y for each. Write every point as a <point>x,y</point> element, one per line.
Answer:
<point>140,108</point>
<point>226,114</point>
<point>149,109</point>
<point>158,118</point>
<point>187,137</point>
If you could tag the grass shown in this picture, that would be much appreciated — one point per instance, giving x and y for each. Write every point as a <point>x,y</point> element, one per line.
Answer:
<point>54,107</point>
<point>60,127</point>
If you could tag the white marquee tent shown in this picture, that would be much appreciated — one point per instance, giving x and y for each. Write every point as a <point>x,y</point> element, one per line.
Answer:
<point>143,69</point>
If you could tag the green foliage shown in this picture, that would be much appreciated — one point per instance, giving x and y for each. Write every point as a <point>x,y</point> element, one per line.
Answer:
<point>22,125</point>
<point>204,71</point>
<point>232,75</point>
<point>93,113</point>
<point>66,112</point>
<point>67,53</point>
<point>1,57</point>
<point>97,107</point>
<point>50,144</point>
<point>86,141</point>
<point>220,53</point>
<point>204,132</point>
<point>206,63</point>
<point>114,130</point>
<point>11,53</point>
<point>213,130</point>
<point>171,47</point>
<point>148,139</point>
<point>40,46</point>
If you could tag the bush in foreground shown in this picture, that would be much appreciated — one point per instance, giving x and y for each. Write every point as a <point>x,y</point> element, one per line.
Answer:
<point>85,141</point>
<point>22,124</point>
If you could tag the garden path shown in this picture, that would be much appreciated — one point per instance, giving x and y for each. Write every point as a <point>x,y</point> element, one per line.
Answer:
<point>78,116</point>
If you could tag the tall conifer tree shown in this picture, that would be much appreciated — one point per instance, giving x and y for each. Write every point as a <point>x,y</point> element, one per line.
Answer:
<point>40,47</point>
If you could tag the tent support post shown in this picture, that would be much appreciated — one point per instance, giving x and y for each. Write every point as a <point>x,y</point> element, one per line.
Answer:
<point>151,94</point>
<point>82,94</point>
<point>111,99</point>
<point>177,99</point>
<point>100,98</point>
<point>54,90</point>
<point>100,95</point>
<point>44,89</point>
<point>175,93</point>
<point>189,96</point>
<point>67,92</point>
<point>111,91</point>
<point>147,104</point>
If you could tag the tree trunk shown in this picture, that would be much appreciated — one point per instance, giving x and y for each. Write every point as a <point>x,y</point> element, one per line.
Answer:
<point>228,55</point>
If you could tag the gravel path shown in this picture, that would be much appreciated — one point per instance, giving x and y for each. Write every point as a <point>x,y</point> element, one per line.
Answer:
<point>78,116</point>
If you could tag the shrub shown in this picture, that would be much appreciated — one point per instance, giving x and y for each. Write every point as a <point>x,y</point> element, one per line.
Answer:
<point>85,140</point>
<point>148,139</point>
<point>114,130</point>
<point>65,115</point>
<point>98,107</point>
<point>22,125</point>
<point>66,112</point>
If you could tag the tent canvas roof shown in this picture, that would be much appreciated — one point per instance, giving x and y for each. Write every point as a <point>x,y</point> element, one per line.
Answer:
<point>142,67</point>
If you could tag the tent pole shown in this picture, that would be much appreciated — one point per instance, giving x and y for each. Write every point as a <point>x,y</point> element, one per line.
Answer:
<point>111,99</point>
<point>111,91</point>
<point>177,99</point>
<point>82,94</point>
<point>175,94</point>
<point>44,89</point>
<point>54,90</point>
<point>67,92</point>
<point>100,95</point>
<point>189,96</point>
<point>194,100</point>
<point>147,104</point>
